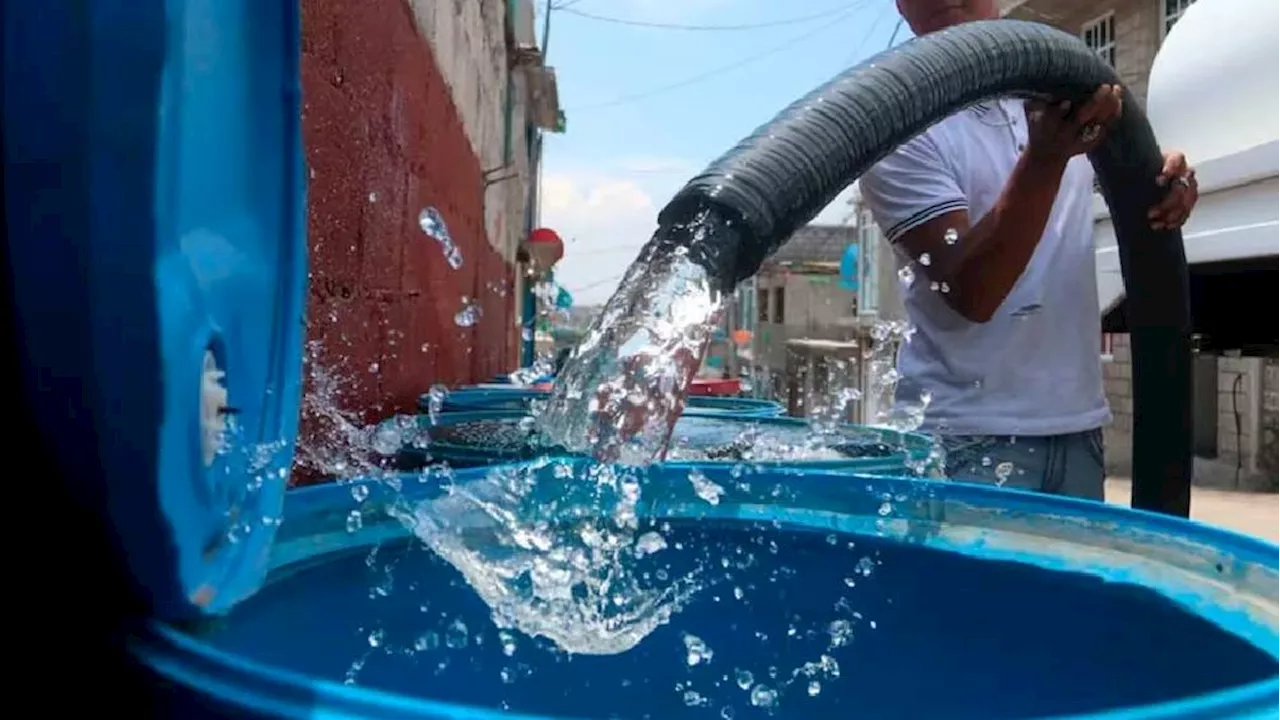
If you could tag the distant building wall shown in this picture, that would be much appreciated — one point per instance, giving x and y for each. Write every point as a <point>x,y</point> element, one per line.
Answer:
<point>386,136</point>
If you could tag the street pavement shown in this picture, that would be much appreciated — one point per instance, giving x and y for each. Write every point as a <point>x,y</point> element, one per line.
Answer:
<point>1255,514</point>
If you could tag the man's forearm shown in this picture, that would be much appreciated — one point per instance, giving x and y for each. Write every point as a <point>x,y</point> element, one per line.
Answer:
<point>998,247</point>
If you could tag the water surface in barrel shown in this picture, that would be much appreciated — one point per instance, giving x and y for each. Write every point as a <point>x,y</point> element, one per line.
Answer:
<point>790,621</point>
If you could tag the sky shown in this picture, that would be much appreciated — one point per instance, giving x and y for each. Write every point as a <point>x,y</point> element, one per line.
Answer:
<point>648,107</point>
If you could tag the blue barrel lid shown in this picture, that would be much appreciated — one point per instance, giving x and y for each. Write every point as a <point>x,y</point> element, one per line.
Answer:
<point>481,397</point>
<point>492,436</point>
<point>156,230</point>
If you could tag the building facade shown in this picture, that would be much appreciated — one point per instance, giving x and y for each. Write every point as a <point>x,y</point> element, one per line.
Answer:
<point>415,109</point>
<point>1235,435</point>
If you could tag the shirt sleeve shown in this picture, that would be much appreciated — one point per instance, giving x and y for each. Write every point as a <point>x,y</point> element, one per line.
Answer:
<point>910,187</point>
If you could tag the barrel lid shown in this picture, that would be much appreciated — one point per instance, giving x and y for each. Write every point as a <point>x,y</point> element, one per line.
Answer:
<point>164,275</point>
<point>507,436</point>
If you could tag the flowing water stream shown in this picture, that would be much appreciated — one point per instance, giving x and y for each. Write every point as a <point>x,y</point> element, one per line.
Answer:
<point>571,560</point>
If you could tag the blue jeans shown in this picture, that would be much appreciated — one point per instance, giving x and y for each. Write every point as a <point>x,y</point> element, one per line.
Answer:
<point>1058,464</point>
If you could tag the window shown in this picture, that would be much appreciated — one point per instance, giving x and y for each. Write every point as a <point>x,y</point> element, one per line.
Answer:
<point>1100,36</point>
<point>762,305</point>
<point>1170,11</point>
<point>779,305</point>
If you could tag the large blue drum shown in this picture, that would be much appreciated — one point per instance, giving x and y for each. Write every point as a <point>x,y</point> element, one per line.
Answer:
<point>797,594</point>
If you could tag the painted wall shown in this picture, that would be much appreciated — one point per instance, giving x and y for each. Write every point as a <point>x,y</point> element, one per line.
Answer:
<point>385,139</point>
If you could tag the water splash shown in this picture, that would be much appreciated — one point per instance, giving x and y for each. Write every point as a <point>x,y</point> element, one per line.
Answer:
<point>470,313</point>
<point>620,394</point>
<point>431,222</point>
<point>553,562</point>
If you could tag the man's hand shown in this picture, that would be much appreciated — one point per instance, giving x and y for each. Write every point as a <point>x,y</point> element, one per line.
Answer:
<point>1054,132</point>
<point>1171,212</point>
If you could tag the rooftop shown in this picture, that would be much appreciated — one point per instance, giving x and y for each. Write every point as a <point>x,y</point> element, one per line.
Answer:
<point>815,245</point>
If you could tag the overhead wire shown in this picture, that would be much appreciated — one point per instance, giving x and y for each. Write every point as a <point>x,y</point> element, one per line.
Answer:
<point>871,31</point>
<point>695,79</point>
<point>799,20</point>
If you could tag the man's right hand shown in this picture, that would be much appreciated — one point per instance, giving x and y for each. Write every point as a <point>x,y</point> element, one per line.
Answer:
<point>1055,133</point>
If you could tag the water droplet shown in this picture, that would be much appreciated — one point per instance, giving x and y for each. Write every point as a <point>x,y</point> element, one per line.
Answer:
<point>951,236</point>
<point>456,635</point>
<point>426,641</point>
<point>986,461</point>
<point>866,566</point>
<point>906,275</point>
<point>360,492</point>
<point>704,488</point>
<point>355,521</point>
<point>945,288</point>
<point>508,641</point>
<point>696,651</point>
<point>743,678</point>
<point>649,543</point>
<point>726,712</point>
<point>435,402</point>
<point>373,368</point>
<point>373,197</point>
<point>692,698</point>
<point>764,696</point>
<point>432,223</point>
<point>376,637</point>
<point>1003,471</point>
<point>925,259</point>
<point>815,687</point>
<point>885,509</point>
<point>469,315</point>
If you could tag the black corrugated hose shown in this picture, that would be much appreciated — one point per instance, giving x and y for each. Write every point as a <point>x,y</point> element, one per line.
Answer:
<point>780,177</point>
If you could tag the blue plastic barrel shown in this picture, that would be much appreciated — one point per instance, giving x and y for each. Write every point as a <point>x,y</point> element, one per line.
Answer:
<point>480,398</point>
<point>155,219</point>
<point>469,439</point>
<point>837,597</point>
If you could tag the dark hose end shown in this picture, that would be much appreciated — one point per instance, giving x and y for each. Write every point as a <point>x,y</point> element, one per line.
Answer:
<point>714,235</point>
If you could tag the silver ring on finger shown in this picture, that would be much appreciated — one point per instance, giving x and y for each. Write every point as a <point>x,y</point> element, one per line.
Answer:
<point>1090,132</point>
<point>1180,180</point>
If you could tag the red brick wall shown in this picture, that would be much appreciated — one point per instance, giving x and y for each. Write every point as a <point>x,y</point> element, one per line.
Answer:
<point>384,140</point>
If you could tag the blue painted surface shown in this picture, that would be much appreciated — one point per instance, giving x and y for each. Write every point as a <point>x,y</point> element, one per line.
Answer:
<point>986,604</point>
<point>469,399</point>
<point>487,437</point>
<point>154,180</point>
<point>849,268</point>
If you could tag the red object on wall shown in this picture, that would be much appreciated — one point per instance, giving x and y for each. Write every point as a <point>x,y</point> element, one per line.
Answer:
<point>546,246</point>
<point>384,141</point>
<point>719,388</point>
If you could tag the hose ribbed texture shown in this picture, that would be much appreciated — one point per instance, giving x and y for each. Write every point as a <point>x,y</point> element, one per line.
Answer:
<point>781,176</point>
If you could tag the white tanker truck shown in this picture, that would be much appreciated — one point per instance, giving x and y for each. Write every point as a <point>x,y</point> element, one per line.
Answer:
<point>1213,94</point>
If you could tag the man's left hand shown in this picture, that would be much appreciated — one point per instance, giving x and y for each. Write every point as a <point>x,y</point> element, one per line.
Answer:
<point>1171,212</point>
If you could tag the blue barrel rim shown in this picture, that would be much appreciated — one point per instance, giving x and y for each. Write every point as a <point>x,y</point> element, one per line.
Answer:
<point>478,398</point>
<point>916,446</point>
<point>190,660</point>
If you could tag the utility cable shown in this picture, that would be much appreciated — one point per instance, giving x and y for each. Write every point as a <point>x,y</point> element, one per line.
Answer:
<point>871,30</point>
<point>896,29</point>
<point>706,28</point>
<point>646,94</point>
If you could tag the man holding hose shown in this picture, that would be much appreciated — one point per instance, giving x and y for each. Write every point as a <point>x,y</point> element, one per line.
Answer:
<point>990,213</point>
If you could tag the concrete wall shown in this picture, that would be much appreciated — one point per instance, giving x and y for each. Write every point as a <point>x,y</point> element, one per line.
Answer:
<point>385,139</point>
<point>1137,29</point>
<point>1244,461</point>
<point>1269,448</point>
<point>815,306</point>
<point>470,42</point>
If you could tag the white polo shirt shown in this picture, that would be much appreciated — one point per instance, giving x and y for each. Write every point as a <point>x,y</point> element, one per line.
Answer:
<point>1034,368</point>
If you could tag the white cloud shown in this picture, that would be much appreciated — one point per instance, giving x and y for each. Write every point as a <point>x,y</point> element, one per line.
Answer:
<point>606,213</point>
